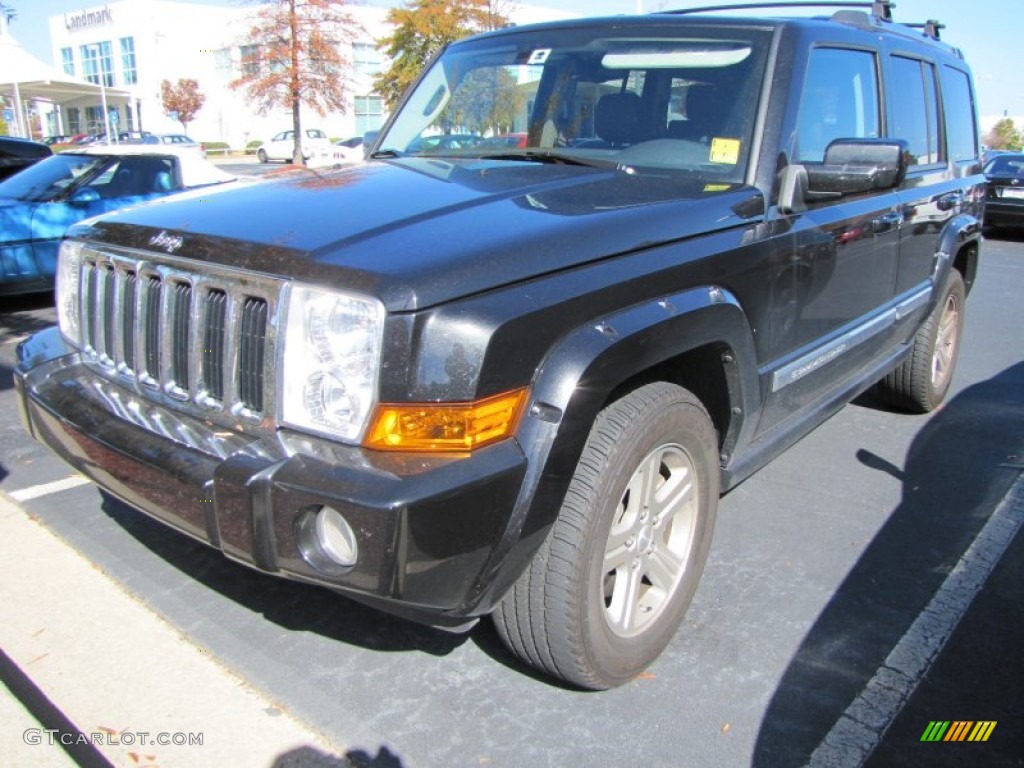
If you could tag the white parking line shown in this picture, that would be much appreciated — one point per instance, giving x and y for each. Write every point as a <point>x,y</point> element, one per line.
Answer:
<point>37,491</point>
<point>860,729</point>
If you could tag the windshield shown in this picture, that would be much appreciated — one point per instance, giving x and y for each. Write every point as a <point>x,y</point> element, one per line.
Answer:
<point>50,178</point>
<point>642,98</point>
<point>1006,164</point>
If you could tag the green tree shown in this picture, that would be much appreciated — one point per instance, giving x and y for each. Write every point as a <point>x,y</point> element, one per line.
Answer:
<point>181,101</point>
<point>292,57</point>
<point>423,28</point>
<point>1004,135</point>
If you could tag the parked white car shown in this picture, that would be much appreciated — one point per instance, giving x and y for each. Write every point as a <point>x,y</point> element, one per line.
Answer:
<point>175,139</point>
<point>314,143</point>
<point>350,150</point>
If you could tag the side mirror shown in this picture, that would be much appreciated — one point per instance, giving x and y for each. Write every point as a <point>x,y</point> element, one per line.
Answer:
<point>852,166</point>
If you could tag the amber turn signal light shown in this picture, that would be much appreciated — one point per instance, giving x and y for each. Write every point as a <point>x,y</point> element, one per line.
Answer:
<point>433,427</point>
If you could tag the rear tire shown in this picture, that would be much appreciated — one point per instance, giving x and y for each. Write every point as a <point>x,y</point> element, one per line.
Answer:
<point>921,382</point>
<point>609,587</point>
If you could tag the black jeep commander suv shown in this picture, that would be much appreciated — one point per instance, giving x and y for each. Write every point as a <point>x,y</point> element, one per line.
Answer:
<point>512,377</point>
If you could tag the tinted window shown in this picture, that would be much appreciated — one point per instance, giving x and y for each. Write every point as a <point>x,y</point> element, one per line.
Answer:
<point>839,101</point>
<point>915,110</point>
<point>961,128</point>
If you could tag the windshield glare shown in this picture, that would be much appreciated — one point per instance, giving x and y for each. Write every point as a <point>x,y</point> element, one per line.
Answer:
<point>51,177</point>
<point>641,100</point>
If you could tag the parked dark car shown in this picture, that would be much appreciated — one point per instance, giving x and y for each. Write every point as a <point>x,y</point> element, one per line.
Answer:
<point>39,204</point>
<point>16,154</point>
<point>1004,203</point>
<point>457,381</point>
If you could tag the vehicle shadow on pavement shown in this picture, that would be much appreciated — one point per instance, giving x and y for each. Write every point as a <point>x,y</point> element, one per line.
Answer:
<point>308,757</point>
<point>24,315</point>
<point>290,605</point>
<point>957,470</point>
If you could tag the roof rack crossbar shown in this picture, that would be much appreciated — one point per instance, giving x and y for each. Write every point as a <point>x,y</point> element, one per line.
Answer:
<point>880,8</point>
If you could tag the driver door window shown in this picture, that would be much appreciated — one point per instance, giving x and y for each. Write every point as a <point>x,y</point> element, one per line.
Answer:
<point>839,101</point>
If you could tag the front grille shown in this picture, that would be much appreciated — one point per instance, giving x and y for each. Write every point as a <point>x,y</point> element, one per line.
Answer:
<point>201,340</point>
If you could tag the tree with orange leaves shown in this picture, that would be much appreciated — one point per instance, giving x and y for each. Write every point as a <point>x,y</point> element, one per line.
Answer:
<point>181,101</point>
<point>293,57</point>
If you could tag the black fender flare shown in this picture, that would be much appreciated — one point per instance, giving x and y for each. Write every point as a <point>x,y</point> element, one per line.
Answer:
<point>959,232</point>
<point>574,382</point>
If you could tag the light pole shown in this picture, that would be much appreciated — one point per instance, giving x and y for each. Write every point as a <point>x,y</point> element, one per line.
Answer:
<point>95,50</point>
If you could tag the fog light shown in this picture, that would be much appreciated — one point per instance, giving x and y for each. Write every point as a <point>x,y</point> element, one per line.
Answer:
<point>336,537</point>
<point>326,541</point>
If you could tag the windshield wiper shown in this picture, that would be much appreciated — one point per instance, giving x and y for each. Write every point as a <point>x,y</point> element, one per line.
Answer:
<point>381,153</point>
<point>547,156</point>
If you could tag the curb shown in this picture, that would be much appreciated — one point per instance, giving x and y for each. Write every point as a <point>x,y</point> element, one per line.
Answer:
<point>94,677</point>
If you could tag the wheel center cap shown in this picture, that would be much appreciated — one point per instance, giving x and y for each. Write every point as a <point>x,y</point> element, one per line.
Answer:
<point>645,539</point>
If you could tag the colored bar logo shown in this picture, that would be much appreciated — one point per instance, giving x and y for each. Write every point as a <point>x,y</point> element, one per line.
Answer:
<point>958,730</point>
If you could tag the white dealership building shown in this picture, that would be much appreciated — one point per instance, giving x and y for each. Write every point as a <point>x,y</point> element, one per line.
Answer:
<point>131,46</point>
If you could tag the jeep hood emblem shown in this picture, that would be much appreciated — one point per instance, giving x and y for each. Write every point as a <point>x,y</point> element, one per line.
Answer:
<point>169,243</point>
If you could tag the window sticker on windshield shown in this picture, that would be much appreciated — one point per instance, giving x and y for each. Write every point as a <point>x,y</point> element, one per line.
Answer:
<point>725,151</point>
<point>539,56</point>
<point>717,187</point>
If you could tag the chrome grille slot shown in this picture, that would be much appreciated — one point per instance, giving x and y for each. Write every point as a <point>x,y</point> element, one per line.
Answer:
<point>187,334</point>
<point>90,321</point>
<point>181,351</point>
<point>250,359</point>
<point>214,344</point>
<point>151,338</point>
<point>130,286</point>
<point>109,299</point>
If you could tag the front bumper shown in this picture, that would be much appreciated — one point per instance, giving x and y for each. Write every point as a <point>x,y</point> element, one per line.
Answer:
<point>428,527</point>
<point>1000,213</point>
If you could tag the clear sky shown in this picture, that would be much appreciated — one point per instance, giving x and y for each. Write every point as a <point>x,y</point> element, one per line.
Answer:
<point>988,31</point>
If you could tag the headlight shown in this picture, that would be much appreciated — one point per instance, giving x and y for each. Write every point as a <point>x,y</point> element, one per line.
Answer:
<point>332,344</point>
<point>69,271</point>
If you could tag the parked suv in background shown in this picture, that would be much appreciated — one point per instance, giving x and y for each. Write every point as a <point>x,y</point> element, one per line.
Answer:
<point>455,381</point>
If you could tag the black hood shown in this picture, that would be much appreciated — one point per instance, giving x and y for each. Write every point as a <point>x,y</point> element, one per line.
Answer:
<point>418,232</point>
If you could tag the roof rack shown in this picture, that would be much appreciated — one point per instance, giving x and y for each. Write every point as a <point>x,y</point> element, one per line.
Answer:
<point>879,8</point>
<point>931,28</point>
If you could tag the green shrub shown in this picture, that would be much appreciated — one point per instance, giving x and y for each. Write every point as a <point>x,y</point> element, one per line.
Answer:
<point>252,146</point>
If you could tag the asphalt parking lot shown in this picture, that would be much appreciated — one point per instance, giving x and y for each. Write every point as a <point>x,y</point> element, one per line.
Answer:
<point>862,587</point>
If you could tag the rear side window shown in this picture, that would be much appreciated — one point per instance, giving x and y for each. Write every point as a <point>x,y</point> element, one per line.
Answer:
<point>961,125</point>
<point>915,109</point>
<point>839,101</point>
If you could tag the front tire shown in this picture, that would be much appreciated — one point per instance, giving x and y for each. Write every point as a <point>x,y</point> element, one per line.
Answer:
<point>921,382</point>
<point>609,587</point>
<point>262,155</point>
